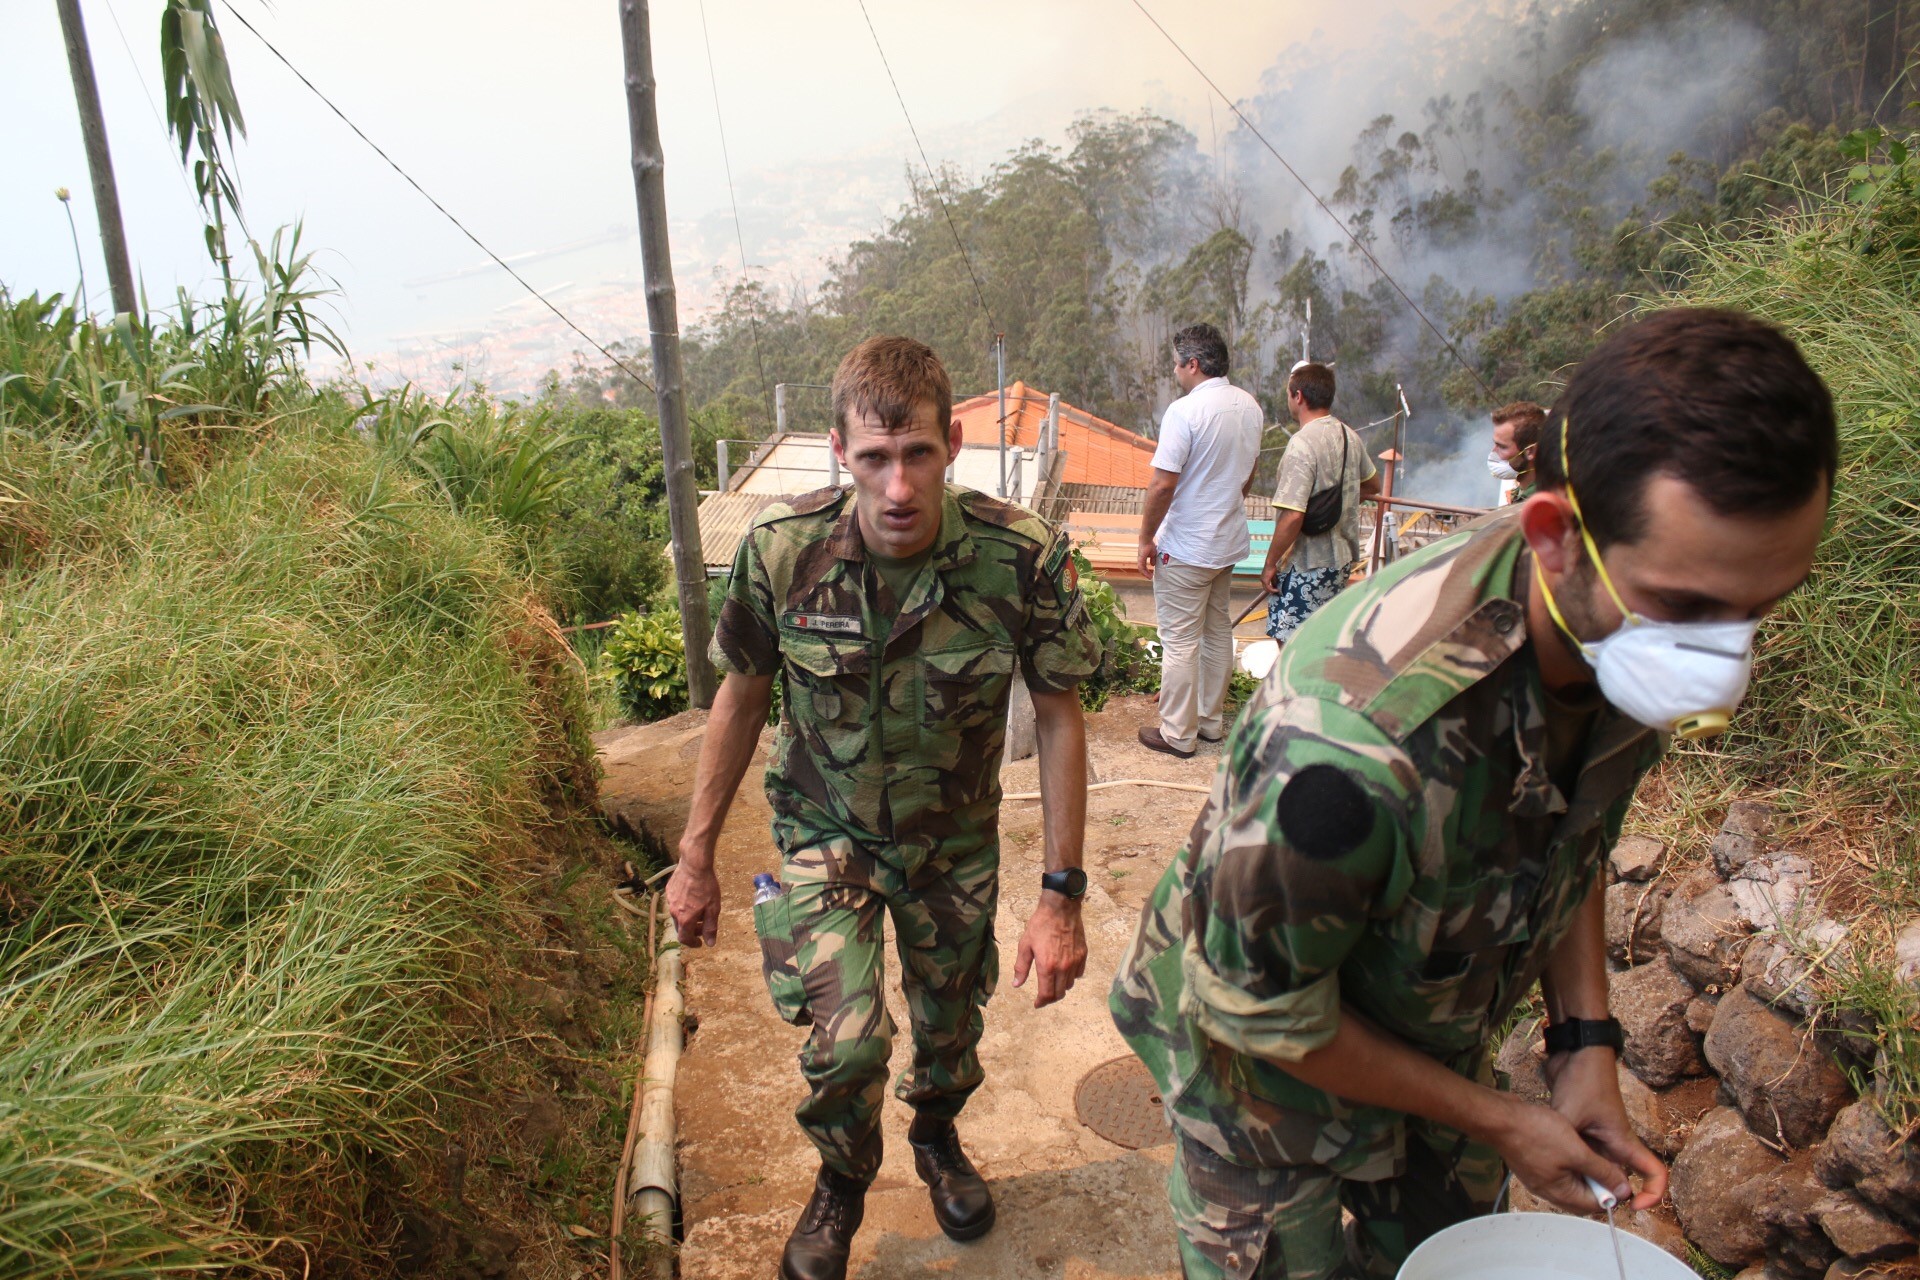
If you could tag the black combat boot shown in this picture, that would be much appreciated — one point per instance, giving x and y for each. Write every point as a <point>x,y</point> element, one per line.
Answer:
<point>817,1249</point>
<point>962,1205</point>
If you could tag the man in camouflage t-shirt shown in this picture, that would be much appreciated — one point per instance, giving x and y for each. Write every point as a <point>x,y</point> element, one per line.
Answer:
<point>898,614</point>
<point>1408,827</point>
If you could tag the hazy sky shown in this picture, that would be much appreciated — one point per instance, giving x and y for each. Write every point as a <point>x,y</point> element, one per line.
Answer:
<point>514,116</point>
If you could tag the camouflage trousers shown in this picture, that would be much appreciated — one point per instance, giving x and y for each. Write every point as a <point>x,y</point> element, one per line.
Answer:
<point>823,952</point>
<point>1243,1222</point>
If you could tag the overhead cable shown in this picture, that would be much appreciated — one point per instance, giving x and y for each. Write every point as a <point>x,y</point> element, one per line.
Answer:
<point>739,238</point>
<point>565,319</point>
<point>1324,208</point>
<point>978,293</point>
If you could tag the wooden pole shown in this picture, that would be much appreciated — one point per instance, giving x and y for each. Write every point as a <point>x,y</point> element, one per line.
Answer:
<point>663,319</point>
<point>93,131</point>
<point>1000,362</point>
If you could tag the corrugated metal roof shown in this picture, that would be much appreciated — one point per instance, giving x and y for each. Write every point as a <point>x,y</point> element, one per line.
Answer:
<point>724,520</point>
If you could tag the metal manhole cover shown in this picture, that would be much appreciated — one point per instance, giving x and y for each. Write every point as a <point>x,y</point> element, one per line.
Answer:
<point>1119,1101</point>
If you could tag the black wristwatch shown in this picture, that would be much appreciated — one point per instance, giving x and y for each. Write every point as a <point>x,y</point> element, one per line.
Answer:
<point>1070,883</point>
<point>1584,1033</point>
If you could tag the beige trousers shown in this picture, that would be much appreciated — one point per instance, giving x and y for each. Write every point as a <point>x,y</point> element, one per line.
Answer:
<point>1195,611</point>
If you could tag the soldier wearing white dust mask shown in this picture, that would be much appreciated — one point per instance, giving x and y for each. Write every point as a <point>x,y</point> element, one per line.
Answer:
<point>1411,823</point>
<point>1683,485</point>
<point>1516,441</point>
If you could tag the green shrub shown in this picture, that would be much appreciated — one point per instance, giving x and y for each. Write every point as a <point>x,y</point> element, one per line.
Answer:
<point>1129,654</point>
<point>648,657</point>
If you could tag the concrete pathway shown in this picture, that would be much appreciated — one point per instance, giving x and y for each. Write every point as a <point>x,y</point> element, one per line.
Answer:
<point>1072,1206</point>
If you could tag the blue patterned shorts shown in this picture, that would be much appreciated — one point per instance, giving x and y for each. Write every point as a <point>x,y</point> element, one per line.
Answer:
<point>1300,593</point>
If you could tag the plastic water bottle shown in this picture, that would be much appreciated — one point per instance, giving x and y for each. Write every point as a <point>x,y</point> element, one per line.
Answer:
<point>765,888</point>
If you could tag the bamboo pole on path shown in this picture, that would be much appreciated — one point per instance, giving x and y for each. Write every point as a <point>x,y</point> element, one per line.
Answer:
<point>663,321</point>
<point>93,131</point>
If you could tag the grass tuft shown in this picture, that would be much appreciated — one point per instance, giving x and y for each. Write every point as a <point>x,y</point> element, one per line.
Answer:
<point>271,739</point>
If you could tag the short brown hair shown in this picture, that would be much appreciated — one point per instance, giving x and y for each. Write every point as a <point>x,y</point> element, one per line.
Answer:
<point>1720,400</point>
<point>890,377</point>
<point>1315,384</point>
<point>1526,417</point>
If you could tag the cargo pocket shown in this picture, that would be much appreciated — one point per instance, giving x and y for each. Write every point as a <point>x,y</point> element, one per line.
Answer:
<point>780,959</point>
<point>965,698</point>
<point>816,669</point>
<point>1224,1211</point>
<point>987,980</point>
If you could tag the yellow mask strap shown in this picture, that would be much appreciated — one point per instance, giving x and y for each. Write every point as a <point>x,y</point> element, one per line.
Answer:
<point>1593,552</point>
<point>1546,594</point>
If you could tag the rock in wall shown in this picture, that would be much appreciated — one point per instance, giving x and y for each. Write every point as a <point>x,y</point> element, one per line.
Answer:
<point>1777,1168</point>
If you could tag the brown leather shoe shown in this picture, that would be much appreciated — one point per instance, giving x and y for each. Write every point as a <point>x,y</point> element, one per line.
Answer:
<point>1150,739</point>
<point>962,1205</point>
<point>817,1249</point>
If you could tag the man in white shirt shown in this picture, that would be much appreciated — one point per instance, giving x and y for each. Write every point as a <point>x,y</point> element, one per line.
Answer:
<point>1192,533</point>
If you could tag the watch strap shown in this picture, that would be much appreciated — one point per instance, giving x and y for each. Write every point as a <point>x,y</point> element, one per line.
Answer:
<point>1585,1033</point>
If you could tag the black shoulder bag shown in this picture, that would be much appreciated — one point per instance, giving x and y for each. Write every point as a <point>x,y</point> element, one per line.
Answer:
<point>1324,507</point>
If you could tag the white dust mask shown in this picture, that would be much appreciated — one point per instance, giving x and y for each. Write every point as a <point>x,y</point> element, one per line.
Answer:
<point>1683,678</point>
<point>1500,469</point>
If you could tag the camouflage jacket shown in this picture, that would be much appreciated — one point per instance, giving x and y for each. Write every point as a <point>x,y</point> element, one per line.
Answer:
<point>893,741</point>
<point>1382,835</point>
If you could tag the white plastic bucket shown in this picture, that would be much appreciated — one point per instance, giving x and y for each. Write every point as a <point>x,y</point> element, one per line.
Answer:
<point>1537,1246</point>
<point>1258,658</point>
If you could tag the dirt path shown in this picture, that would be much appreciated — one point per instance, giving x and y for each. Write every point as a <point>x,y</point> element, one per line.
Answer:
<point>1072,1205</point>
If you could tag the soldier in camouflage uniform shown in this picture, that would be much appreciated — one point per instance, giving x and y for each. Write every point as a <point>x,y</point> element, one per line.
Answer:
<point>898,614</point>
<point>1408,828</point>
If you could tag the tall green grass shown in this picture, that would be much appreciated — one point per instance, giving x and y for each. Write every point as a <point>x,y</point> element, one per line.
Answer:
<point>1835,706</point>
<point>1833,722</point>
<point>270,743</point>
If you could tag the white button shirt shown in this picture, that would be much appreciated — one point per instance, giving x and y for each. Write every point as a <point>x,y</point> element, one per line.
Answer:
<point>1211,438</point>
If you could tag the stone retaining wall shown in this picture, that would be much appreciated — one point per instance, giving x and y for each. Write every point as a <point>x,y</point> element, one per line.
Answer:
<point>1779,1171</point>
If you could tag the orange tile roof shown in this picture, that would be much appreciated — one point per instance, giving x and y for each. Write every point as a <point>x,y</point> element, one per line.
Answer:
<point>1098,452</point>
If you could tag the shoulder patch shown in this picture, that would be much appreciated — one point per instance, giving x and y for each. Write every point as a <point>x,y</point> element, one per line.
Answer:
<point>807,504</point>
<point>1056,553</point>
<point>1324,813</point>
<point>1001,514</point>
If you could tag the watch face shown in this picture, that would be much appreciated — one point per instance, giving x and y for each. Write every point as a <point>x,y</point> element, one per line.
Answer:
<point>1072,881</point>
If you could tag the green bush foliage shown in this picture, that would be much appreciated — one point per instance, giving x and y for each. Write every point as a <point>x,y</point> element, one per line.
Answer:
<point>273,723</point>
<point>648,658</point>
<point>1129,654</point>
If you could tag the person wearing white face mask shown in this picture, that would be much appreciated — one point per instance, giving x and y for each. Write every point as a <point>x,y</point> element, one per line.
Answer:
<point>1410,827</point>
<point>1516,441</point>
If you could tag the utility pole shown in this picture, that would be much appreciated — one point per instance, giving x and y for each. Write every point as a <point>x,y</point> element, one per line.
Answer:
<point>1000,363</point>
<point>93,130</point>
<point>663,319</point>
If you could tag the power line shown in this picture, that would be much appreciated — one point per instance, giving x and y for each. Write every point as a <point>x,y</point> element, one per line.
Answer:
<point>1337,220</point>
<point>739,238</point>
<point>395,166</point>
<point>978,293</point>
